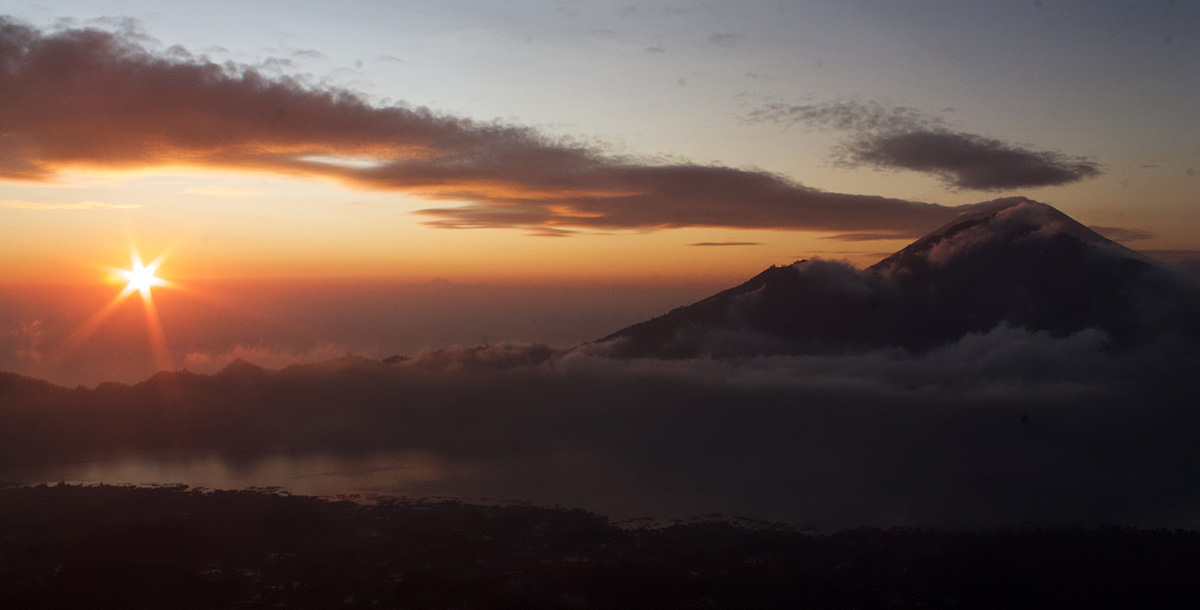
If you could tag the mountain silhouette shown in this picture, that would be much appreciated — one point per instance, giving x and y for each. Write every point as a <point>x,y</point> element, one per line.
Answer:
<point>1013,262</point>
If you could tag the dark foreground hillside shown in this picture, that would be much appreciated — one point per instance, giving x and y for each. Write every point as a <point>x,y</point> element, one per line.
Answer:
<point>113,547</point>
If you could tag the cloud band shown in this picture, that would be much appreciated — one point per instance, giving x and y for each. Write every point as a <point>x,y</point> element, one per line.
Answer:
<point>92,98</point>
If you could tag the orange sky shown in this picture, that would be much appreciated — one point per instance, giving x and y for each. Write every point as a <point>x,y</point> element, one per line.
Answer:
<point>269,188</point>
<point>243,171</point>
<point>241,225</point>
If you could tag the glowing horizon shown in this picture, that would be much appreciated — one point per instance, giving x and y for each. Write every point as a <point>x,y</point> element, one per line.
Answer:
<point>369,161</point>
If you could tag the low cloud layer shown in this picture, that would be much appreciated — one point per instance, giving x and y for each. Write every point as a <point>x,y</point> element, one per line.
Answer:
<point>899,137</point>
<point>204,362</point>
<point>92,98</point>
<point>1000,428</point>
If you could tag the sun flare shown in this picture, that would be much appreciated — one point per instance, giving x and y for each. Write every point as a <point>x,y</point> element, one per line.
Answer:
<point>141,277</point>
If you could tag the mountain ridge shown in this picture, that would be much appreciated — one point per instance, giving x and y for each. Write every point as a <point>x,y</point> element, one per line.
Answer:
<point>1014,260</point>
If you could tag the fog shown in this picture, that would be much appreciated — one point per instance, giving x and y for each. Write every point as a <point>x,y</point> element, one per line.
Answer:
<point>1003,428</point>
<point>210,324</point>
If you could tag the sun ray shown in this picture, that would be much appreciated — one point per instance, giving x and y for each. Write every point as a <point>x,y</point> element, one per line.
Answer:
<point>158,338</point>
<point>90,326</point>
<point>139,278</point>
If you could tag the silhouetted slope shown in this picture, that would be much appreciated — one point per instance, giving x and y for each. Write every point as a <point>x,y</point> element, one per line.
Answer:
<point>1015,262</point>
<point>662,332</point>
<point>104,547</point>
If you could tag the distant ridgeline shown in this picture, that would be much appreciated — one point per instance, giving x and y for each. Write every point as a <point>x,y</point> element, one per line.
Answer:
<point>110,547</point>
<point>1015,262</point>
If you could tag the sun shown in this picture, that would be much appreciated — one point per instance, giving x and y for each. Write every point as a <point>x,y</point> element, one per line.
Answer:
<point>141,277</point>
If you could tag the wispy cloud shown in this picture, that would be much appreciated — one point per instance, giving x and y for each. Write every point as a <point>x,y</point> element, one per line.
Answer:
<point>726,243</point>
<point>1123,234</point>
<point>224,191</point>
<point>205,362</point>
<point>725,39</point>
<point>900,137</point>
<point>307,54</point>
<point>865,236</point>
<point>75,205</point>
<point>868,117</point>
<point>83,98</point>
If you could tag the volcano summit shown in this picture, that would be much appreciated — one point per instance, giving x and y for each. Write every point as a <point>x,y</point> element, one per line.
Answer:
<point>1014,262</point>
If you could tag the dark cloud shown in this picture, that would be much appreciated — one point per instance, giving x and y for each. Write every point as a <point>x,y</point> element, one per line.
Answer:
<point>847,116</point>
<point>690,195</point>
<point>726,40</point>
<point>968,161</point>
<point>865,236</point>
<point>726,243</point>
<point>655,50</point>
<point>83,97</point>
<point>901,137</point>
<point>1122,234</point>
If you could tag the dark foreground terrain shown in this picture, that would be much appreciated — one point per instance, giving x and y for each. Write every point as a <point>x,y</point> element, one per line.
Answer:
<point>118,547</point>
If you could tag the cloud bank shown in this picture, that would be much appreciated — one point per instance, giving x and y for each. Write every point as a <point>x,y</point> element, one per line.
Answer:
<point>905,138</point>
<point>1000,428</point>
<point>91,98</point>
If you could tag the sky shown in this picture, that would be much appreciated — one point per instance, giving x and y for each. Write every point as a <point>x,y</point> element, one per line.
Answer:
<point>481,187</point>
<point>393,177</point>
